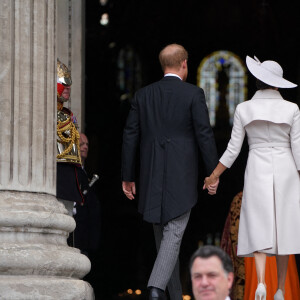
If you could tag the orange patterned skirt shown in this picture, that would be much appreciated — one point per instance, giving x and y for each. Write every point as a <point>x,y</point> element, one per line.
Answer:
<point>292,290</point>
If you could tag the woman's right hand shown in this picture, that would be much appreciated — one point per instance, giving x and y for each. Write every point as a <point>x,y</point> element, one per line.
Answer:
<point>210,180</point>
<point>211,184</point>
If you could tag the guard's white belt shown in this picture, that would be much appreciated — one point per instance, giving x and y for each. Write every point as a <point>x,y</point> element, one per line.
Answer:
<point>269,145</point>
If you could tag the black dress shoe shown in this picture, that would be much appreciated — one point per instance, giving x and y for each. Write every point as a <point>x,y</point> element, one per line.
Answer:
<point>157,294</point>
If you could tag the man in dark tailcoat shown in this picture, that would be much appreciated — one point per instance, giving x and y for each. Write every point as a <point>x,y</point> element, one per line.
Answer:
<point>169,121</point>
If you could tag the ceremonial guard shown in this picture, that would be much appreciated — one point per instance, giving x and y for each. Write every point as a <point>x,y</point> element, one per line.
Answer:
<point>73,185</point>
<point>70,182</point>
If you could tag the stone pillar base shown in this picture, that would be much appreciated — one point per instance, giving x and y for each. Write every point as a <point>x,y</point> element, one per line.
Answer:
<point>46,288</point>
<point>35,260</point>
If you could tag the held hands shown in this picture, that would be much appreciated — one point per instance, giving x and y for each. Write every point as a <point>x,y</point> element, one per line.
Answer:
<point>129,189</point>
<point>211,184</point>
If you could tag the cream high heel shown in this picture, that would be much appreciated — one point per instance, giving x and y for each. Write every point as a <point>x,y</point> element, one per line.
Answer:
<point>279,295</point>
<point>261,293</point>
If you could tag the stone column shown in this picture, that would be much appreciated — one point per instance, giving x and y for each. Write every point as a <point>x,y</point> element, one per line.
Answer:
<point>35,261</point>
<point>70,50</point>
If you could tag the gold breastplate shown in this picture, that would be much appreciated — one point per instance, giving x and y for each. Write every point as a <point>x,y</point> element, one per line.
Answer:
<point>67,139</point>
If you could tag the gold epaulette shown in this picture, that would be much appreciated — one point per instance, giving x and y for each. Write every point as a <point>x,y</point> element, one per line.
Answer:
<point>67,140</point>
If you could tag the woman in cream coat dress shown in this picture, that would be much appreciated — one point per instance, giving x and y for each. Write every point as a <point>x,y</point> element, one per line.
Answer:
<point>270,213</point>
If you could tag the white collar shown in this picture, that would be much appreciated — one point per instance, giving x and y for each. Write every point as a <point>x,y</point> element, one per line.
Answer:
<point>172,74</point>
<point>267,93</point>
<point>227,298</point>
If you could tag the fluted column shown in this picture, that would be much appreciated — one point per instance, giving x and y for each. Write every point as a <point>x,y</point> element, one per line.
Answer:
<point>35,261</point>
<point>70,50</point>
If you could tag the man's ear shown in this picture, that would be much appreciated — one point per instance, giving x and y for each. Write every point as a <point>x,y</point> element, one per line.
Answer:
<point>230,278</point>
<point>184,64</point>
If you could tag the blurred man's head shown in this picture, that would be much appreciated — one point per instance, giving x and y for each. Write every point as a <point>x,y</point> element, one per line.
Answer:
<point>211,273</point>
<point>84,147</point>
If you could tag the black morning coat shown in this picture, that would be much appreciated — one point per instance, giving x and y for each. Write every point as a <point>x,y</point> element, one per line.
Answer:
<point>169,121</point>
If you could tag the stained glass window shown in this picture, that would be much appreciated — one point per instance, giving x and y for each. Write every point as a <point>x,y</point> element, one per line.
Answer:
<point>217,65</point>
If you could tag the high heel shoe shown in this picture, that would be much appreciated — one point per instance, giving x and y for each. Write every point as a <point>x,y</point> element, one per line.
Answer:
<point>279,295</point>
<point>261,293</point>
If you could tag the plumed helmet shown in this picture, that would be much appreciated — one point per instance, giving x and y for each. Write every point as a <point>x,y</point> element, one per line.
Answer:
<point>63,74</point>
<point>63,79</point>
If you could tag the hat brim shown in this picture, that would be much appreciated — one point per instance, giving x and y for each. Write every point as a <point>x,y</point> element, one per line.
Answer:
<point>266,76</point>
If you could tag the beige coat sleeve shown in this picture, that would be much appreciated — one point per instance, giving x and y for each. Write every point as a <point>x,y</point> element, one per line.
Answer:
<point>236,141</point>
<point>295,137</point>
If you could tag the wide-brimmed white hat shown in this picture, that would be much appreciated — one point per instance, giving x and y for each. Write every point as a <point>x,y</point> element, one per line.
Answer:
<point>269,72</point>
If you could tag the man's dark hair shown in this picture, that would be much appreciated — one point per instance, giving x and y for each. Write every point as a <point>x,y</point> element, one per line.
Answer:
<point>209,251</point>
<point>263,86</point>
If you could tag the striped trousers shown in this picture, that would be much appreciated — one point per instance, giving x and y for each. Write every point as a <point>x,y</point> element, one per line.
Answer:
<point>165,272</point>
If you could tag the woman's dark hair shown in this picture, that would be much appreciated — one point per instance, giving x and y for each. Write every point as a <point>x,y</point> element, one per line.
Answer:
<point>263,86</point>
